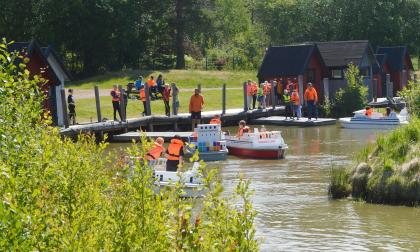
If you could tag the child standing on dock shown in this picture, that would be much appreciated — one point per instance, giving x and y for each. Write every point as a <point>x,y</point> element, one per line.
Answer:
<point>166,96</point>
<point>248,94</point>
<point>287,104</point>
<point>143,99</point>
<point>72,107</point>
<point>294,98</point>
<point>254,93</point>
<point>115,94</point>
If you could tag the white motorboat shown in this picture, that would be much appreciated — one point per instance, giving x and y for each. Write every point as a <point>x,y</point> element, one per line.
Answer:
<point>375,121</point>
<point>257,144</point>
<point>191,180</point>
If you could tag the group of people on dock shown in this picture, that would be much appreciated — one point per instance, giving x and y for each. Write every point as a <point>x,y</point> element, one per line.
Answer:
<point>285,94</point>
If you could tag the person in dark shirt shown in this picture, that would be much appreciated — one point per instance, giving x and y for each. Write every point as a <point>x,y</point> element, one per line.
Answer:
<point>72,107</point>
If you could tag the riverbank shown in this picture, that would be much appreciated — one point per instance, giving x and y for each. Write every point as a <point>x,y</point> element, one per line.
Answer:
<point>387,172</point>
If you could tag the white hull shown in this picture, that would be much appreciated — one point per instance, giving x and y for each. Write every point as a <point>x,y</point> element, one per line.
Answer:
<point>384,124</point>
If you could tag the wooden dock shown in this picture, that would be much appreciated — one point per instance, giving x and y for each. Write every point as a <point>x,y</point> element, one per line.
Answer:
<point>303,121</point>
<point>130,136</point>
<point>180,122</point>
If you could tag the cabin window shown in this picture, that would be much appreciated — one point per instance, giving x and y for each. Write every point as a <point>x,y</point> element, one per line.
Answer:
<point>310,75</point>
<point>337,74</point>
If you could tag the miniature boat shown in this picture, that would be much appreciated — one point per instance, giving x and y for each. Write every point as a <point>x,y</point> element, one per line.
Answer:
<point>207,140</point>
<point>375,121</point>
<point>190,180</point>
<point>264,145</point>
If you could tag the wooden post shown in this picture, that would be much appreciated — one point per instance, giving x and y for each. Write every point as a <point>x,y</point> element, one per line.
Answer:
<point>375,90</point>
<point>174,99</point>
<point>224,99</point>
<point>300,82</point>
<point>199,87</point>
<point>326,89</point>
<point>147,94</point>
<point>64,106</point>
<point>273,96</point>
<point>245,98</point>
<point>415,78</point>
<point>122,103</point>
<point>404,78</point>
<point>388,86</point>
<point>98,103</point>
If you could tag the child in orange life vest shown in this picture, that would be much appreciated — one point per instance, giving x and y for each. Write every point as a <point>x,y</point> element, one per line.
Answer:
<point>242,128</point>
<point>154,154</point>
<point>143,99</point>
<point>174,154</point>
<point>368,111</point>
<point>115,94</point>
<point>295,100</point>
<point>215,120</point>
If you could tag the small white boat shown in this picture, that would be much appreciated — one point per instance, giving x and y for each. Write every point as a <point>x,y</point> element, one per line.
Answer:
<point>375,121</point>
<point>257,144</point>
<point>191,180</point>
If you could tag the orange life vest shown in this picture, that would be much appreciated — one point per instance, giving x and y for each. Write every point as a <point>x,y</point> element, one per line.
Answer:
<point>369,112</point>
<point>155,153</point>
<point>254,88</point>
<point>115,98</point>
<point>311,95</point>
<point>248,89</point>
<point>215,121</point>
<point>151,83</point>
<point>142,95</point>
<point>243,130</point>
<point>295,98</point>
<point>174,149</point>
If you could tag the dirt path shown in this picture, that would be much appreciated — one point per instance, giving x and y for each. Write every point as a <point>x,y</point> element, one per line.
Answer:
<point>89,93</point>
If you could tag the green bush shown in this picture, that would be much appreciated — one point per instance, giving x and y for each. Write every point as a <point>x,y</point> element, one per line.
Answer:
<point>60,195</point>
<point>339,183</point>
<point>411,95</point>
<point>352,97</point>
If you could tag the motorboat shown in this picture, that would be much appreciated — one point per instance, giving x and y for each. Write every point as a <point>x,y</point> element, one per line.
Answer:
<point>375,121</point>
<point>207,140</point>
<point>257,144</point>
<point>190,180</point>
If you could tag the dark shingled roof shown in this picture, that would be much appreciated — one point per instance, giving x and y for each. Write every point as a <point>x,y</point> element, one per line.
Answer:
<point>47,51</point>
<point>286,60</point>
<point>395,57</point>
<point>341,53</point>
<point>381,58</point>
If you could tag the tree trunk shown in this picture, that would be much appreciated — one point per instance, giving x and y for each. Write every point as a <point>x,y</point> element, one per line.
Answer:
<point>180,50</point>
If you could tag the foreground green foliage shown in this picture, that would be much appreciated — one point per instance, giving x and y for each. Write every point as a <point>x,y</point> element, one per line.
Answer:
<point>411,95</point>
<point>387,172</point>
<point>60,195</point>
<point>350,98</point>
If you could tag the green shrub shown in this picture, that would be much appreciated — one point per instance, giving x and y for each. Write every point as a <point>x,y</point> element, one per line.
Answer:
<point>353,96</point>
<point>411,95</point>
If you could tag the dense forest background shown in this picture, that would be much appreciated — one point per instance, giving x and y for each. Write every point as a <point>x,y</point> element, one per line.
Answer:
<point>106,35</point>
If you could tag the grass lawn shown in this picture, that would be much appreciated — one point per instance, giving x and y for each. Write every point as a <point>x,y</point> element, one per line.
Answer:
<point>86,108</point>
<point>183,78</point>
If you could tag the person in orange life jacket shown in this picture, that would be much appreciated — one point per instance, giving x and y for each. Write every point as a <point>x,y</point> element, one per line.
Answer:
<point>174,154</point>
<point>254,89</point>
<point>151,84</point>
<point>294,98</point>
<point>143,99</point>
<point>195,108</point>
<point>279,93</point>
<point>267,93</point>
<point>216,120</point>
<point>248,94</point>
<point>166,95</point>
<point>368,111</point>
<point>311,99</point>
<point>154,154</point>
<point>115,94</point>
<point>242,128</point>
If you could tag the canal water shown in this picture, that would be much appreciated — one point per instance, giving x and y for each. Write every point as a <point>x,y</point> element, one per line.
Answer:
<point>294,211</point>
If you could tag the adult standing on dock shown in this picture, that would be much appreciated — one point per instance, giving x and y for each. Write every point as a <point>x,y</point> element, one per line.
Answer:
<point>166,96</point>
<point>175,153</point>
<point>294,98</point>
<point>311,99</point>
<point>72,107</point>
<point>143,99</point>
<point>196,105</point>
<point>287,104</point>
<point>115,94</point>
<point>151,83</point>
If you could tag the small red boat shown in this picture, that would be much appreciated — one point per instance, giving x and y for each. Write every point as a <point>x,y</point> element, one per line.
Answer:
<point>264,145</point>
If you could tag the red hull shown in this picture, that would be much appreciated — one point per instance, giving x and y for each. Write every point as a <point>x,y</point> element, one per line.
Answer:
<point>250,153</point>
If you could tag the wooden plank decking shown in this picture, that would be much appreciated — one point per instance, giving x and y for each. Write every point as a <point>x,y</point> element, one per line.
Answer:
<point>130,136</point>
